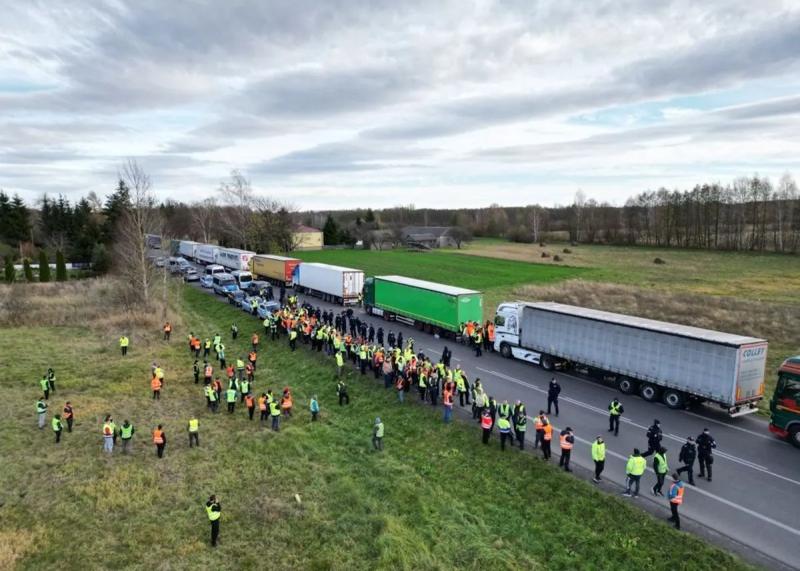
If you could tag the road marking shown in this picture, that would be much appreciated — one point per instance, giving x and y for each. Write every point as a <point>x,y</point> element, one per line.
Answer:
<point>598,410</point>
<point>739,428</point>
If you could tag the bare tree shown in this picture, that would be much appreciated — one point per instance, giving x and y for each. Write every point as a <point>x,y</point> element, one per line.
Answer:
<point>238,196</point>
<point>94,201</point>
<point>460,234</point>
<point>204,215</point>
<point>131,245</point>
<point>786,195</point>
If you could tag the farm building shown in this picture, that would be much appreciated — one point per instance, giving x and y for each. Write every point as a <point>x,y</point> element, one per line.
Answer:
<point>307,238</point>
<point>429,236</point>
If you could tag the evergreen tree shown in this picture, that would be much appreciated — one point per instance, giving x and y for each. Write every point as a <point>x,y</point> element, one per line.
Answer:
<point>330,232</point>
<point>18,223</point>
<point>61,267</point>
<point>26,269</point>
<point>101,260</point>
<point>116,205</point>
<point>10,272</point>
<point>44,267</point>
<point>369,217</point>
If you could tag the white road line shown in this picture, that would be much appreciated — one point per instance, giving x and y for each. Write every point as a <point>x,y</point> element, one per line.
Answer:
<point>598,410</point>
<point>739,428</point>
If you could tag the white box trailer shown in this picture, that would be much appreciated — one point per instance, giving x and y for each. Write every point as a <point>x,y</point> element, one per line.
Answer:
<point>234,258</point>
<point>659,360</point>
<point>187,249</point>
<point>331,283</point>
<point>206,253</point>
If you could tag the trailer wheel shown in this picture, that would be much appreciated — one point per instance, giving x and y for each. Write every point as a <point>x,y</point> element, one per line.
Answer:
<point>626,386</point>
<point>649,392</point>
<point>674,399</point>
<point>505,350</point>
<point>794,435</point>
<point>546,362</point>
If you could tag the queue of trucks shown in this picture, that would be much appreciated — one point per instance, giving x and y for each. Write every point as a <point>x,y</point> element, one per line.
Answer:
<point>658,361</point>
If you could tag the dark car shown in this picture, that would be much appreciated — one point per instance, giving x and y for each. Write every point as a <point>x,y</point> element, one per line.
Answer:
<point>236,297</point>
<point>255,287</point>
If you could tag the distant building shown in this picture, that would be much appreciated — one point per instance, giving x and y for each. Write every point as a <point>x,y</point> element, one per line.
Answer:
<point>429,236</point>
<point>307,238</point>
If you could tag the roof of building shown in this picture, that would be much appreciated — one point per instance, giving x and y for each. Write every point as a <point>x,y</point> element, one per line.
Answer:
<point>433,286</point>
<point>425,232</point>
<point>305,229</point>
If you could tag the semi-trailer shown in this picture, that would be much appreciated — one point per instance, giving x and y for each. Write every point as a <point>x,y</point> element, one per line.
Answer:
<point>206,253</point>
<point>429,306</point>
<point>331,283</point>
<point>187,249</point>
<point>676,364</point>
<point>276,269</point>
<point>234,258</point>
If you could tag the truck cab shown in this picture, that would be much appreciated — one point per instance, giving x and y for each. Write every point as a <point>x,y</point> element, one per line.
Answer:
<point>242,278</point>
<point>507,322</point>
<point>785,404</point>
<point>213,269</point>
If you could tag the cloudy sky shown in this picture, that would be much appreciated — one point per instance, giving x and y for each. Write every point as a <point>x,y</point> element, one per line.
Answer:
<point>335,104</point>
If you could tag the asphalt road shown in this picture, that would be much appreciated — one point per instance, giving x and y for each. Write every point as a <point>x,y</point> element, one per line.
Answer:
<point>752,504</point>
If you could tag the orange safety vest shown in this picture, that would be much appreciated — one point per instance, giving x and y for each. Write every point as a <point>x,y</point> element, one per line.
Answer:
<point>209,371</point>
<point>470,328</point>
<point>158,436</point>
<point>262,403</point>
<point>490,332</point>
<point>155,384</point>
<point>229,370</point>
<point>538,424</point>
<point>286,402</point>
<point>249,401</point>
<point>255,339</point>
<point>167,327</point>
<point>548,431</point>
<point>565,444</point>
<point>486,421</point>
<point>253,356</point>
<point>196,343</point>
<point>448,397</point>
<point>678,499</point>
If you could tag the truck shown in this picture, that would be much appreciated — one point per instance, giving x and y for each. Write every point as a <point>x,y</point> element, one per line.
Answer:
<point>332,283</point>
<point>677,364</point>
<point>276,269</point>
<point>234,258</point>
<point>428,306</point>
<point>187,249</point>
<point>206,253</point>
<point>784,407</point>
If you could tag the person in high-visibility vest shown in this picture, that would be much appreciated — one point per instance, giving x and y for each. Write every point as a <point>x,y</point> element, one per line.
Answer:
<point>51,379</point>
<point>126,432</point>
<point>566,441</point>
<point>108,435</point>
<point>293,339</point>
<point>230,398</point>
<point>599,457</point>
<point>263,406</point>
<point>41,412</point>
<point>520,426</point>
<point>45,386</point>
<point>634,469</point>
<point>377,434</point>
<point>124,342</point>
<point>486,425</point>
<point>250,403</point>
<point>675,497</point>
<point>254,341</point>
<point>286,402</point>
<point>275,413</point>
<point>214,512</point>
<point>661,468</point>
<point>538,426</point>
<point>504,426</point>
<point>155,384</point>
<point>160,440</point>
<point>615,411</point>
<point>547,439</point>
<point>58,428</point>
<point>194,431</point>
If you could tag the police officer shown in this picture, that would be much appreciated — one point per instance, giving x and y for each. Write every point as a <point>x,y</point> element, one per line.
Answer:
<point>654,436</point>
<point>687,455</point>
<point>705,444</point>
<point>213,510</point>
<point>615,410</point>
<point>553,390</point>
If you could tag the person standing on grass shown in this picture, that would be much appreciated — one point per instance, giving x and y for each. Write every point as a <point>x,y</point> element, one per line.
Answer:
<point>194,432</point>
<point>399,385</point>
<point>41,412</point>
<point>447,401</point>
<point>341,390</point>
<point>69,415</point>
<point>51,379</point>
<point>58,427</point>
<point>167,330</point>
<point>263,407</point>
<point>230,398</point>
<point>504,426</point>
<point>155,384</point>
<point>520,426</point>
<point>275,413</point>
<point>547,438</point>
<point>124,342</point>
<point>553,390</point>
<point>234,331</point>
<point>108,435</point>
<point>45,386</point>
<point>314,408</point>
<point>486,426</point>
<point>615,411</point>
<point>214,512</point>
<point>196,371</point>
<point>599,457</point>
<point>675,497</point>
<point>377,434</point>
<point>634,469</point>
<point>250,403</point>
<point>126,434</point>
<point>566,441</point>
<point>160,440</point>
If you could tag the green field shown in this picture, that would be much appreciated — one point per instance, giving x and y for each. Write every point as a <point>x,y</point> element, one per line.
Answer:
<point>434,499</point>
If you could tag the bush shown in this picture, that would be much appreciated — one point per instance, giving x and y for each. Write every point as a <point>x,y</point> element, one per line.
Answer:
<point>567,251</point>
<point>542,244</point>
<point>101,259</point>
<point>557,258</point>
<point>10,272</point>
<point>659,261</point>
<point>545,255</point>
<point>26,269</point>
<point>520,234</point>
<point>61,267</point>
<point>44,267</point>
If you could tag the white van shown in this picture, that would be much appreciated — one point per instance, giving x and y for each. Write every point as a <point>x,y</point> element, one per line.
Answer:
<point>214,269</point>
<point>242,278</point>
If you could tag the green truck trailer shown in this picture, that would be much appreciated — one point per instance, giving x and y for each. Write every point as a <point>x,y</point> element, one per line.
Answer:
<point>785,404</point>
<point>431,307</point>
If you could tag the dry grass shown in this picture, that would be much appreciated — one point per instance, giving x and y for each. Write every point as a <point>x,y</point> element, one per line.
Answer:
<point>14,544</point>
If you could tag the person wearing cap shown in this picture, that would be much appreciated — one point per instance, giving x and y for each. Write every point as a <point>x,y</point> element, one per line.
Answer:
<point>553,390</point>
<point>214,511</point>
<point>615,410</point>
<point>705,444</point>
<point>599,457</point>
<point>675,497</point>
<point>377,434</point>
<point>567,441</point>
<point>654,436</point>
<point>634,469</point>
<point>687,455</point>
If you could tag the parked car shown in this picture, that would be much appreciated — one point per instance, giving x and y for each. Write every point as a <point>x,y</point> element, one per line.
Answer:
<point>267,308</point>
<point>207,281</point>
<point>236,297</point>
<point>160,261</point>
<point>191,275</point>
<point>247,303</point>
<point>255,287</point>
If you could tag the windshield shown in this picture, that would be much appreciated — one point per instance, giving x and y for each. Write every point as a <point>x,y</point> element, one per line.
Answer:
<point>227,282</point>
<point>245,278</point>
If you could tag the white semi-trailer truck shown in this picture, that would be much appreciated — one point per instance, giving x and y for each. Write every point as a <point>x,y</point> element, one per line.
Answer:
<point>331,283</point>
<point>664,361</point>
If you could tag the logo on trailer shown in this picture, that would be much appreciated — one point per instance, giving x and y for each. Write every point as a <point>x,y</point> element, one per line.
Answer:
<point>753,353</point>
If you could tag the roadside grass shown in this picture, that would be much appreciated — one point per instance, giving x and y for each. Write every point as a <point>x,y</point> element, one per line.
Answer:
<point>433,499</point>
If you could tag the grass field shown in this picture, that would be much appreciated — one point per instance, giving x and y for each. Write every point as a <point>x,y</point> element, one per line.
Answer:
<point>434,499</point>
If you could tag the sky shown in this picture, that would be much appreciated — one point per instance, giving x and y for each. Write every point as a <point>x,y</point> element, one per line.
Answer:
<point>376,103</point>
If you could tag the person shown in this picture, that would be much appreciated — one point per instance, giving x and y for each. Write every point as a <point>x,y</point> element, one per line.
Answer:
<point>155,384</point>
<point>661,469</point>
<point>214,512</point>
<point>538,427</point>
<point>341,390</point>
<point>486,425</point>
<point>167,330</point>
<point>206,348</point>
<point>234,331</point>
<point>126,434</point>
<point>250,403</point>
<point>45,387</point>
<point>160,440</point>
<point>377,434</point>
<point>108,435</point>
<point>478,343</point>
<point>230,398</point>
<point>51,379</point>
<point>654,436</point>
<point>615,410</point>
<point>208,372</point>
<point>58,427</point>
<point>293,339</point>
<point>504,426</point>
<point>504,410</point>
<point>254,341</point>
<point>263,407</point>
<point>447,402</point>
<point>566,441</point>
<point>124,342</point>
<point>520,426</point>
<point>599,457</point>
<point>687,455</point>
<point>196,371</point>
<point>314,408</point>
<point>275,413</point>
<point>41,412</point>
<point>705,444</point>
<point>399,385</point>
<point>194,431</point>
<point>553,390</point>
<point>339,363</point>
<point>675,497</point>
<point>69,415</point>
<point>634,469</point>
<point>547,438</point>
<point>287,402</point>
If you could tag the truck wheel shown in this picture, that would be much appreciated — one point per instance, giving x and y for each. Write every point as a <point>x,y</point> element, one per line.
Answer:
<point>649,392</point>
<point>505,350</point>
<point>794,435</point>
<point>674,399</point>
<point>546,362</point>
<point>626,386</point>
